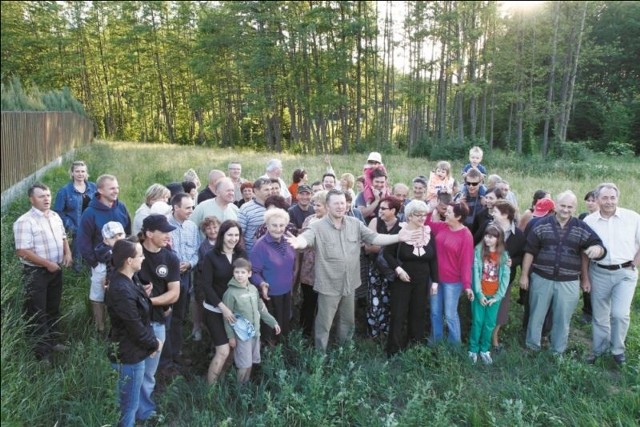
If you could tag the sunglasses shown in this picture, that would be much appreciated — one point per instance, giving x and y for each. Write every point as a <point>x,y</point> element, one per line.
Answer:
<point>473,184</point>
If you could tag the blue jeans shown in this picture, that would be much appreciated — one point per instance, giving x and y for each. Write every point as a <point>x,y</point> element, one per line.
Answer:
<point>129,387</point>
<point>444,306</point>
<point>146,405</point>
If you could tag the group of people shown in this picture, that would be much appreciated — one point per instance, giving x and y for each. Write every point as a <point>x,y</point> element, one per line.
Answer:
<point>249,260</point>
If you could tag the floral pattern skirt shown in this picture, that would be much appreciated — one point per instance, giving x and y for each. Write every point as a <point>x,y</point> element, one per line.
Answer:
<point>378,304</point>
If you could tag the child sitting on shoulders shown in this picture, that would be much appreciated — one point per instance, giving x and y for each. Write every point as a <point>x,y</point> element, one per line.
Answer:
<point>112,231</point>
<point>374,161</point>
<point>475,157</point>
<point>440,181</point>
<point>490,280</point>
<point>244,334</point>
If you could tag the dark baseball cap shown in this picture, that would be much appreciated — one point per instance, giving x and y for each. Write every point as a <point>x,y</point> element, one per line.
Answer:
<point>157,223</point>
<point>304,187</point>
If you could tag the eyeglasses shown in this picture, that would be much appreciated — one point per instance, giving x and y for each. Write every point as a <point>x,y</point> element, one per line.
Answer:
<point>473,184</point>
<point>382,208</point>
<point>420,215</point>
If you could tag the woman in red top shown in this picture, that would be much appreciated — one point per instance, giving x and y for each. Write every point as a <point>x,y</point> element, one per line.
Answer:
<point>454,250</point>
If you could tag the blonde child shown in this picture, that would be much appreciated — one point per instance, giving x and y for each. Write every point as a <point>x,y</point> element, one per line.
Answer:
<point>440,181</point>
<point>243,300</point>
<point>475,157</point>
<point>347,181</point>
<point>489,283</point>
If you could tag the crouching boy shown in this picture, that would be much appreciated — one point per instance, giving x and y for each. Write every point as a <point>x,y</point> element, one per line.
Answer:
<point>244,334</point>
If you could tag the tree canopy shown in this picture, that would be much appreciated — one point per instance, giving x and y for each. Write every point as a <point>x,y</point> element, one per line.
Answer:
<point>327,76</point>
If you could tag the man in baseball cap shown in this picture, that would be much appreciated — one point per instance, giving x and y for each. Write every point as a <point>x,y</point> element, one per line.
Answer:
<point>543,207</point>
<point>302,209</point>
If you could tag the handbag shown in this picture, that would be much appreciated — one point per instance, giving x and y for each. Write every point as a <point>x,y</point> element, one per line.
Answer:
<point>383,266</point>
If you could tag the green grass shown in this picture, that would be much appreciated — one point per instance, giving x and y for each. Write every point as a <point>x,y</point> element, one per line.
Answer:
<point>295,386</point>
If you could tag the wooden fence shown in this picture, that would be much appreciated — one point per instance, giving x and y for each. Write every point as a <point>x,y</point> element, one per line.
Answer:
<point>31,140</point>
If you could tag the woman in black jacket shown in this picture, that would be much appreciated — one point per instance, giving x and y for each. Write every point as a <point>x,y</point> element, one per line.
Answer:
<point>131,333</point>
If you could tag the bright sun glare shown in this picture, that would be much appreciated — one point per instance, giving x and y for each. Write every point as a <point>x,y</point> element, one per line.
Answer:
<point>520,5</point>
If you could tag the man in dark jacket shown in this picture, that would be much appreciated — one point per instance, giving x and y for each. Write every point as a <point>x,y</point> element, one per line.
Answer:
<point>103,208</point>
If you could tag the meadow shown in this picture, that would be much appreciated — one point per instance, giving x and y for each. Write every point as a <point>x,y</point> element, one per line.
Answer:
<point>352,385</point>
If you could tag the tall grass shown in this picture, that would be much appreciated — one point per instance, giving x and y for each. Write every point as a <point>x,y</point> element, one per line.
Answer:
<point>296,386</point>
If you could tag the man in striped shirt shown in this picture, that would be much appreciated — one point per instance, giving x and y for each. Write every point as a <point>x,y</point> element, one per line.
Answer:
<point>251,214</point>
<point>41,244</point>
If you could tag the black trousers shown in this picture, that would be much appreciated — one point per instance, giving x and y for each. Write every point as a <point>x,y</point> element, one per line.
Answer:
<point>409,306</point>
<point>280,308</point>
<point>43,293</point>
<point>175,325</point>
<point>308,309</point>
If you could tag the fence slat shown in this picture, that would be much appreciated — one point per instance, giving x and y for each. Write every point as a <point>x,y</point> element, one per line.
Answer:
<point>31,140</point>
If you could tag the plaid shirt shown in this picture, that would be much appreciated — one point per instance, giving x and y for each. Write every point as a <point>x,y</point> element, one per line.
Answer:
<point>43,235</point>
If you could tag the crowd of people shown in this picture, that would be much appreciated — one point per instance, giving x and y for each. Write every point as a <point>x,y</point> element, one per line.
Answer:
<point>247,261</point>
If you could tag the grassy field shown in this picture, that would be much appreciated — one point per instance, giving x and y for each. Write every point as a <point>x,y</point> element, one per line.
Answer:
<point>295,386</point>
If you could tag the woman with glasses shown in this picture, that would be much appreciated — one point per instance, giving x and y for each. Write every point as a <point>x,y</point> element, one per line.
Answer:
<point>415,265</point>
<point>454,246</point>
<point>378,295</point>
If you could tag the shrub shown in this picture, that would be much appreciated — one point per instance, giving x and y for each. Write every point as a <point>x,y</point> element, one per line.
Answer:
<point>617,148</point>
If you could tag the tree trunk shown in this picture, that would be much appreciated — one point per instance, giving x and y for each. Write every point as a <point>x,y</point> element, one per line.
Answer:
<point>551,82</point>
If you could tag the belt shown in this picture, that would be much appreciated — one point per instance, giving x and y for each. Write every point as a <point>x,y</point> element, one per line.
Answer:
<point>616,266</point>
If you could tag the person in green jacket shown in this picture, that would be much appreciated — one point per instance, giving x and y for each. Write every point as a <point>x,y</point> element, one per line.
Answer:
<point>489,283</point>
<point>244,334</point>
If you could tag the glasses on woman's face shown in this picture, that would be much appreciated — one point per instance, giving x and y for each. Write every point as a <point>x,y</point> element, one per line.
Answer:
<point>384,208</point>
<point>419,215</point>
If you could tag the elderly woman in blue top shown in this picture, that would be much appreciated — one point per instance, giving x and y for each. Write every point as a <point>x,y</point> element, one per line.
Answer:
<point>273,263</point>
<point>72,200</point>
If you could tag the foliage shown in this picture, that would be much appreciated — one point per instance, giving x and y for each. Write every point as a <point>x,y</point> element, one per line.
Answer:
<point>295,386</point>
<point>16,98</point>
<point>323,77</point>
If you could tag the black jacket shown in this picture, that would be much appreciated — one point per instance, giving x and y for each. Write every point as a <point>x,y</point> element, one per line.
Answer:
<point>129,309</point>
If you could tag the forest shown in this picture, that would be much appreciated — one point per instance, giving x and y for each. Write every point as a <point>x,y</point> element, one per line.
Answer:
<point>315,77</point>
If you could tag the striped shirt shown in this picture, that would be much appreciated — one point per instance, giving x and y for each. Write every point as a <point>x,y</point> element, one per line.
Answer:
<point>42,234</point>
<point>185,240</point>
<point>250,217</point>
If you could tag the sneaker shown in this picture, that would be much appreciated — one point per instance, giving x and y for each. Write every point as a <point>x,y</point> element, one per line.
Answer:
<point>197,335</point>
<point>473,357</point>
<point>591,359</point>
<point>619,359</point>
<point>59,348</point>
<point>486,357</point>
